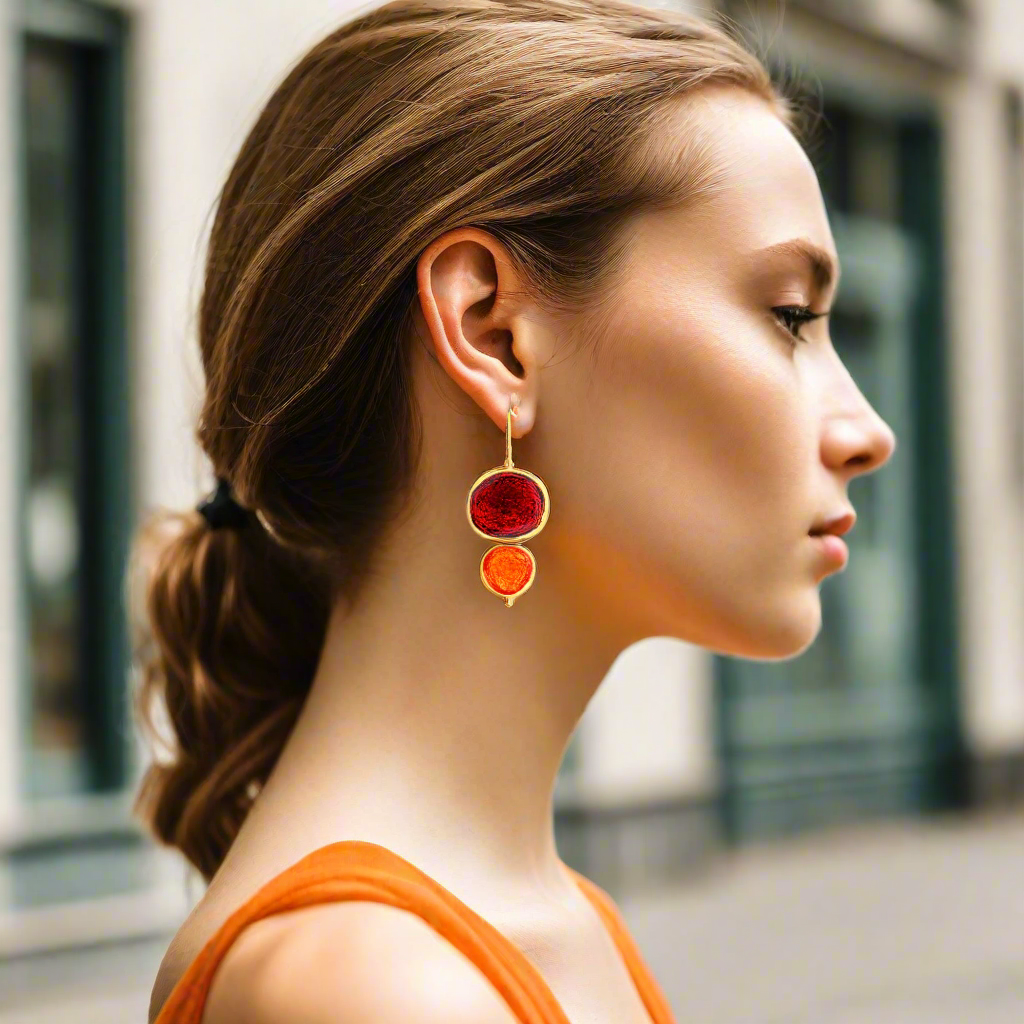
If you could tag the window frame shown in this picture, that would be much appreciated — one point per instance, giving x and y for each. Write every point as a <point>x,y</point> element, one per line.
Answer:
<point>105,515</point>
<point>97,823</point>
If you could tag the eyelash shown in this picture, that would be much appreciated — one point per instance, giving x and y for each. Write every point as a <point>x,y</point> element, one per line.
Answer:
<point>792,318</point>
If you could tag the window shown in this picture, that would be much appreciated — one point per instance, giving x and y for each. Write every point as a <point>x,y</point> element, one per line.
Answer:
<point>74,511</point>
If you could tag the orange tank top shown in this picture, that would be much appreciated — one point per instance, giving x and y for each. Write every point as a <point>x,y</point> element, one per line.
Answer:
<point>358,870</point>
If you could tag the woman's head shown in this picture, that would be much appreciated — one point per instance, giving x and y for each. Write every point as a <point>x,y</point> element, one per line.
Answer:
<point>450,200</point>
<point>715,425</point>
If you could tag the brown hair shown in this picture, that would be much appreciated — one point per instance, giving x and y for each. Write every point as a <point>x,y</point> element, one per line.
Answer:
<point>533,119</point>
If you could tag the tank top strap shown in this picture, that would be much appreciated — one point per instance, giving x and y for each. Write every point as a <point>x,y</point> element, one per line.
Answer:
<point>650,991</point>
<point>365,871</point>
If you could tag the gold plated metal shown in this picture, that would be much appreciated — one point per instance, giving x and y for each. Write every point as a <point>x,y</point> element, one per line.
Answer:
<point>509,599</point>
<point>522,472</point>
<point>509,467</point>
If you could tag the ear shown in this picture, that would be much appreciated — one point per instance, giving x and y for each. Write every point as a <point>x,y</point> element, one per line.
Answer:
<point>474,307</point>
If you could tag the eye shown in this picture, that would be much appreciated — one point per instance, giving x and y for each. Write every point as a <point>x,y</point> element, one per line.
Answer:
<point>794,317</point>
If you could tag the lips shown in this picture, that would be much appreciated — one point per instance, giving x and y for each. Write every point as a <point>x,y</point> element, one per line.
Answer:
<point>832,547</point>
<point>827,537</point>
<point>836,526</point>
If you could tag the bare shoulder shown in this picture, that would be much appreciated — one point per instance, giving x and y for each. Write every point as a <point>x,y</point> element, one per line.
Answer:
<point>349,963</point>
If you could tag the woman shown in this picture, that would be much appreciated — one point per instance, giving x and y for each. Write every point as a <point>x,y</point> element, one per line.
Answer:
<point>578,234</point>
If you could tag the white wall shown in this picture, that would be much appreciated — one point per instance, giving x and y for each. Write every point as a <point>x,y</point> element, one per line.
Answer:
<point>1001,31</point>
<point>990,524</point>
<point>203,71</point>
<point>9,633</point>
<point>649,731</point>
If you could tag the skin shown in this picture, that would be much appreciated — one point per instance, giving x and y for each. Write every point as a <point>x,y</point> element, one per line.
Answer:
<point>686,459</point>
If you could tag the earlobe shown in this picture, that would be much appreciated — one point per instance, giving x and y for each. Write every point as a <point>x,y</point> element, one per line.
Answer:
<point>463,279</point>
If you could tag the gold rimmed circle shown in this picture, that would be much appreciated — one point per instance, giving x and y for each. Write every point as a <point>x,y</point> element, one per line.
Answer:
<point>519,538</point>
<point>509,599</point>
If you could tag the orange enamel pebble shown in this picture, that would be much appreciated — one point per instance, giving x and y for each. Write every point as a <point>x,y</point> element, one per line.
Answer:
<point>507,568</point>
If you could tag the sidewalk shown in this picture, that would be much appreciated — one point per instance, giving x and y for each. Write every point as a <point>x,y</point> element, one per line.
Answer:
<point>904,922</point>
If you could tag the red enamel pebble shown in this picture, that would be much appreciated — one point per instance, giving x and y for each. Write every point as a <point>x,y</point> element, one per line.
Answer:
<point>508,568</point>
<point>506,505</point>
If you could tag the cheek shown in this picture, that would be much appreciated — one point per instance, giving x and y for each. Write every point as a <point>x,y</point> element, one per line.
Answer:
<point>707,421</point>
<point>694,458</point>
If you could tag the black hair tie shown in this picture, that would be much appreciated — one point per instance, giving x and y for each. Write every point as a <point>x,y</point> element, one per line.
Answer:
<point>220,509</point>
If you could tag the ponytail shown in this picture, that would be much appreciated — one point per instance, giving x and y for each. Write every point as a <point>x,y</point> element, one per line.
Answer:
<point>235,626</point>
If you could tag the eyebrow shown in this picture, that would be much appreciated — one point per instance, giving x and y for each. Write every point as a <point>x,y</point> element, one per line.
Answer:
<point>823,267</point>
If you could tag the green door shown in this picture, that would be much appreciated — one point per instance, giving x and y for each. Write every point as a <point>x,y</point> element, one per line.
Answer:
<point>862,724</point>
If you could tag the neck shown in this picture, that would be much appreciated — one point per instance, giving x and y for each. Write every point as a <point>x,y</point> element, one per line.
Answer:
<point>438,717</point>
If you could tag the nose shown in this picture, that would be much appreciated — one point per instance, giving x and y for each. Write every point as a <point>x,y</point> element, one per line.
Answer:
<point>858,441</point>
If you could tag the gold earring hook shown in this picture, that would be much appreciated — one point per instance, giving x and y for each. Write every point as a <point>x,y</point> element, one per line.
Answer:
<point>512,401</point>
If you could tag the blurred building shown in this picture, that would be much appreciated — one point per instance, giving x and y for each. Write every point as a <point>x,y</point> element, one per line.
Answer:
<point>118,122</point>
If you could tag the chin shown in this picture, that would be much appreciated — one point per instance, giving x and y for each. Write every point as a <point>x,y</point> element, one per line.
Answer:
<point>774,623</point>
<point>790,636</point>
<point>792,627</point>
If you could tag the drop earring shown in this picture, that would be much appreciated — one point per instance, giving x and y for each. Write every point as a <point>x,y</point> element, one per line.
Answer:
<point>510,505</point>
